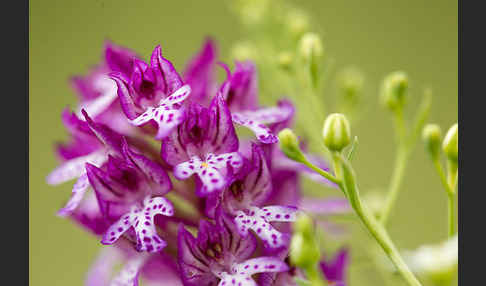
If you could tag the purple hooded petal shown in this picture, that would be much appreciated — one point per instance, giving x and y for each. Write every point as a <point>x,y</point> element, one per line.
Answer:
<point>203,132</point>
<point>251,186</point>
<point>119,59</point>
<point>142,220</point>
<point>126,101</point>
<point>154,171</point>
<point>199,73</point>
<point>325,206</point>
<point>240,89</point>
<point>217,247</point>
<point>335,269</point>
<point>110,138</point>
<point>194,265</point>
<point>161,267</point>
<point>170,80</point>
<point>222,133</point>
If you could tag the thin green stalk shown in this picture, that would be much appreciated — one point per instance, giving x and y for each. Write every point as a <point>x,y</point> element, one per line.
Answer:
<point>395,183</point>
<point>451,199</point>
<point>375,228</point>
<point>322,172</point>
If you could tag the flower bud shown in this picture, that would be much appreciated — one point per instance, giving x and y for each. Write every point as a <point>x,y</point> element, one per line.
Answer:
<point>304,251</point>
<point>290,145</point>
<point>450,143</point>
<point>336,132</point>
<point>310,48</point>
<point>350,82</point>
<point>285,60</point>
<point>394,90</point>
<point>432,135</point>
<point>311,52</point>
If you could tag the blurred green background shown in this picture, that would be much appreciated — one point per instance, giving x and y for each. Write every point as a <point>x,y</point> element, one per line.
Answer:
<point>378,36</point>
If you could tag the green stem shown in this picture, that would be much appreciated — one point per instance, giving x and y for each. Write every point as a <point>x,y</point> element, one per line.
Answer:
<point>375,228</point>
<point>314,276</point>
<point>395,183</point>
<point>322,172</point>
<point>451,199</point>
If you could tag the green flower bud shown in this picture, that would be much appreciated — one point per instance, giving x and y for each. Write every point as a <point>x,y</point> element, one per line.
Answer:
<point>394,90</point>
<point>304,251</point>
<point>432,136</point>
<point>290,145</point>
<point>285,60</point>
<point>336,132</point>
<point>450,143</point>
<point>350,81</point>
<point>310,48</point>
<point>311,52</point>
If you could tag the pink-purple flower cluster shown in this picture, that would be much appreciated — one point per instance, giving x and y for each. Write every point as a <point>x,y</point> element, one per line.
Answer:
<point>242,192</point>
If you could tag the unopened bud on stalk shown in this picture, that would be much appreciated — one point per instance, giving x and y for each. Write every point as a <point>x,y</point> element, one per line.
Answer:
<point>304,251</point>
<point>394,90</point>
<point>289,144</point>
<point>336,132</point>
<point>350,81</point>
<point>310,47</point>
<point>311,52</point>
<point>450,144</point>
<point>432,136</point>
<point>285,60</point>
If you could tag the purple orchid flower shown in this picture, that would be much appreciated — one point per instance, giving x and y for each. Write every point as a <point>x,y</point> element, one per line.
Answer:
<point>240,91</point>
<point>206,145</point>
<point>74,168</point>
<point>126,190</point>
<point>154,93</point>
<point>219,255</point>
<point>98,92</point>
<point>335,269</point>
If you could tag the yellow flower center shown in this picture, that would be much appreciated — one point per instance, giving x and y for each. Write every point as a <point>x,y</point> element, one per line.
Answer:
<point>204,164</point>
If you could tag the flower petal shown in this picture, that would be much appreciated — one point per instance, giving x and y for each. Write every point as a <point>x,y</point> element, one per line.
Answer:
<point>199,73</point>
<point>263,133</point>
<point>154,171</point>
<point>74,168</point>
<point>259,220</point>
<point>186,169</point>
<point>119,59</point>
<point>221,134</point>
<point>171,80</point>
<point>260,265</point>
<point>142,220</point>
<point>128,276</point>
<point>79,189</point>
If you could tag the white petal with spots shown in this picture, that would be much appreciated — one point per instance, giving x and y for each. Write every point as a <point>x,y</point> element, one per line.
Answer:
<point>259,220</point>
<point>211,171</point>
<point>241,273</point>
<point>263,133</point>
<point>167,115</point>
<point>142,220</point>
